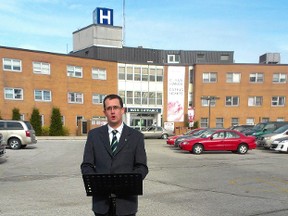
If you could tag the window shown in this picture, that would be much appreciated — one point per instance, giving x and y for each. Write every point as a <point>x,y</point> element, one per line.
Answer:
<point>159,75</point>
<point>42,120</point>
<point>129,73</point>
<point>279,78</point>
<point>173,58</point>
<point>145,98</point>
<point>232,101</point>
<point>98,98</point>
<point>63,120</point>
<point>99,73</point>
<point>256,77</point>
<point>152,74</point>
<point>129,97</point>
<point>250,121</point>
<point>74,71</point>
<point>219,122</point>
<point>278,101</point>
<point>137,97</point>
<point>200,58</point>
<point>233,77</point>
<point>152,98</point>
<point>41,68</point>
<point>159,98</point>
<point>13,93</point>
<point>122,95</point>
<point>255,101</point>
<point>234,121</point>
<point>204,122</point>
<point>265,119</point>
<point>205,102</point>
<point>42,95</point>
<point>74,97</point>
<point>121,73</point>
<point>12,65</point>
<point>224,57</point>
<point>137,74</point>
<point>280,119</point>
<point>78,119</point>
<point>144,74</point>
<point>209,77</point>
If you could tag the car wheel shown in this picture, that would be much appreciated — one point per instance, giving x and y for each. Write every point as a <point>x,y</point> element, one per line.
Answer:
<point>164,136</point>
<point>242,149</point>
<point>197,149</point>
<point>14,143</point>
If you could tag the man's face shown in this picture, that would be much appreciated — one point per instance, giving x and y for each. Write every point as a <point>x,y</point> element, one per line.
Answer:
<point>113,111</point>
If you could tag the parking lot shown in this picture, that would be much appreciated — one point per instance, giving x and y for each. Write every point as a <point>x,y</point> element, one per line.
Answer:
<point>44,179</point>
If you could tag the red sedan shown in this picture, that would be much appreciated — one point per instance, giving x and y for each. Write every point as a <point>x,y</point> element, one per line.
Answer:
<point>220,140</point>
<point>171,139</point>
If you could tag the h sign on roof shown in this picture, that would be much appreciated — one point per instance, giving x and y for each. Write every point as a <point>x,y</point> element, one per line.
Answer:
<point>103,16</point>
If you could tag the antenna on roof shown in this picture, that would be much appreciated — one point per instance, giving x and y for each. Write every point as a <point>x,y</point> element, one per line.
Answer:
<point>123,39</point>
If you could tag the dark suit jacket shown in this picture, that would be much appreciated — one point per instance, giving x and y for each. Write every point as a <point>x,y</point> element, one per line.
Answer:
<point>130,156</point>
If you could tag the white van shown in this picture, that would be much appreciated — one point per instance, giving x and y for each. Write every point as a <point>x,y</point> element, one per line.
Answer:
<point>17,134</point>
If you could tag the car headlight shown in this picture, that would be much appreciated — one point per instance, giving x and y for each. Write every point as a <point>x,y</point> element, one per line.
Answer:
<point>267,138</point>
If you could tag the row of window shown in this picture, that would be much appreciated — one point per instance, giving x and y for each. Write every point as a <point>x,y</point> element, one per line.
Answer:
<point>46,96</point>
<point>252,101</point>
<point>204,122</point>
<point>235,77</point>
<point>142,98</point>
<point>136,97</point>
<point>15,65</point>
<point>141,73</point>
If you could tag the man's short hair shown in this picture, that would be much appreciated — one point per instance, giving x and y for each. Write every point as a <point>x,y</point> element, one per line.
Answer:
<point>113,96</point>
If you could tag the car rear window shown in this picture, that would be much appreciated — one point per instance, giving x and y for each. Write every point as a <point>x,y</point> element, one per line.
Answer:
<point>14,126</point>
<point>1,125</point>
<point>29,126</point>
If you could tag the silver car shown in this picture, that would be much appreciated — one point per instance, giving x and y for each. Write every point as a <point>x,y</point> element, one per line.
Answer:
<point>267,139</point>
<point>17,134</point>
<point>2,146</point>
<point>157,132</point>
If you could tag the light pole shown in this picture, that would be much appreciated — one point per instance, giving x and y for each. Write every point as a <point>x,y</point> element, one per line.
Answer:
<point>209,99</point>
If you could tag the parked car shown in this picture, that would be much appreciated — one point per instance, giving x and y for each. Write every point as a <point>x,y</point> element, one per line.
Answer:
<point>196,134</point>
<point>2,146</point>
<point>220,140</point>
<point>157,132</point>
<point>17,134</point>
<point>241,128</point>
<point>280,144</point>
<point>267,139</point>
<point>264,128</point>
<point>171,139</point>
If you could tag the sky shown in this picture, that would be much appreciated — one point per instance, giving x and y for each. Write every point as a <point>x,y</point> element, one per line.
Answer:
<point>250,28</point>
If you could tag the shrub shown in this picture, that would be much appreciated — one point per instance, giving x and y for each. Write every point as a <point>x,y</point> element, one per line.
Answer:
<point>35,121</point>
<point>16,114</point>
<point>56,126</point>
<point>45,131</point>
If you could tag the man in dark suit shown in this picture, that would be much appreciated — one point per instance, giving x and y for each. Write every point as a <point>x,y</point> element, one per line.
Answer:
<point>114,148</point>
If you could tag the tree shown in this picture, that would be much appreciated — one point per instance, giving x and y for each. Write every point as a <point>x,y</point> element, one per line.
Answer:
<point>35,121</point>
<point>16,114</point>
<point>56,126</point>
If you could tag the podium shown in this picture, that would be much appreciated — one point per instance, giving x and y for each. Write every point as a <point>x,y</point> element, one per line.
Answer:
<point>113,185</point>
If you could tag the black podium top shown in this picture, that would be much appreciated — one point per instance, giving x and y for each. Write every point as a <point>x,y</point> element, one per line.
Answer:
<point>117,184</point>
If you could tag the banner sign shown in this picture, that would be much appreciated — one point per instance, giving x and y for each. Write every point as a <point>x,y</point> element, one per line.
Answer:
<point>176,85</point>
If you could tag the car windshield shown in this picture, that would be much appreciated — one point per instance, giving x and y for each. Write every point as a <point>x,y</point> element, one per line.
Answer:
<point>281,129</point>
<point>258,127</point>
<point>206,134</point>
